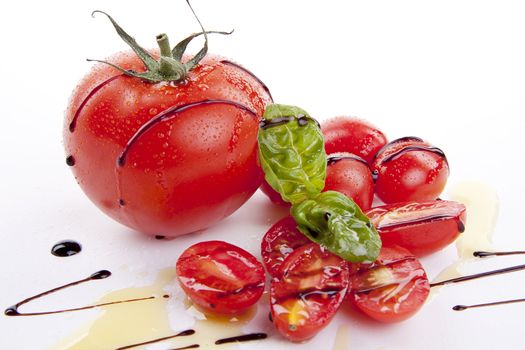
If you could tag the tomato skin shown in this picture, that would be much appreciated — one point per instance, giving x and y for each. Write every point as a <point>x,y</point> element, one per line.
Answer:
<point>353,135</point>
<point>350,175</point>
<point>185,173</point>
<point>201,271</point>
<point>278,242</point>
<point>422,228</point>
<point>393,288</point>
<point>273,195</point>
<point>306,296</point>
<point>410,169</point>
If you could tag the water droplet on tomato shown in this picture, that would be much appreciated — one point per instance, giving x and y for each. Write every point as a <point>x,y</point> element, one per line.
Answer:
<point>153,111</point>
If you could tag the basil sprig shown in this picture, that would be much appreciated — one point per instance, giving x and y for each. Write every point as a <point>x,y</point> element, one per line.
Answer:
<point>292,155</point>
<point>336,222</point>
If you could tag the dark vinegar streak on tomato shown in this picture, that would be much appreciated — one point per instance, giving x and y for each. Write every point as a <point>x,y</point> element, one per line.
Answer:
<point>302,120</point>
<point>70,160</point>
<point>479,275</point>
<point>430,218</point>
<point>404,150</point>
<point>156,340</point>
<point>169,113</point>
<point>264,86</point>
<point>73,123</point>
<point>495,303</point>
<point>159,237</point>
<point>66,248</point>
<point>242,338</point>
<point>334,159</point>
<point>481,254</point>
<point>401,139</point>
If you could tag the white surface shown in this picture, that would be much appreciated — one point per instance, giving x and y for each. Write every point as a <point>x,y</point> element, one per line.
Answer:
<point>451,72</point>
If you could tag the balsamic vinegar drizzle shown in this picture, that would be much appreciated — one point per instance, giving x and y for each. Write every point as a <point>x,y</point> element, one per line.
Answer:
<point>402,139</point>
<point>461,224</point>
<point>70,160</point>
<point>407,149</point>
<point>13,310</point>
<point>169,113</point>
<point>302,120</point>
<point>73,123</point>
<point>265,88</point>
<point>503,302</point>
<point>181,334</point>
<point>479,275</point>
<point>336,158</point>
<point>482,254</point>
<point>242,338</point>
<point>66,248</point>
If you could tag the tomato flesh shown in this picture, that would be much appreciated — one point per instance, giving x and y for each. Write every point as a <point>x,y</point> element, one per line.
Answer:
<point>422,228</point>
<point>279,242</point>
<point>391,289</point>
<point>187,171</point>
<point>220,278</point>
<point>410,169</point>
<point>354,135</point>
<point>312,284</point>
<point>350,175</point>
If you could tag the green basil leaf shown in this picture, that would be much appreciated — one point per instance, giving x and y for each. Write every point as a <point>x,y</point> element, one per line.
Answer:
<point>291,150</point>
<point>336,222</point>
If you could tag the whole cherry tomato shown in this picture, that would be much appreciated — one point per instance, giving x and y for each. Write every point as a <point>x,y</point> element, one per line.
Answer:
<point>220,277</point>
<point>281,240</point>
<point>350,175</point>
<point>422,228</point>
<point>354,135</point>
<point>311,287</point>
<point>410,169</point>
<point>391,289</point>
<point>166,154</point>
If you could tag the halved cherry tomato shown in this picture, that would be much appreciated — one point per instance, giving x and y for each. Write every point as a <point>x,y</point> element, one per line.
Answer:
<point>354,135</point>
<point>350,175</point>
<point>422,228</point>
<point>312,285</point>
<point>281,240</point>
<point>220,277</point>
<point>410,169</point>
<point>391,289</point>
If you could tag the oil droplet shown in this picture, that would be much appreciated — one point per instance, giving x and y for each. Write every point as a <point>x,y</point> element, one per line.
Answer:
<point>482,205</point>
<point>342,338</point>
<point>130,323</point>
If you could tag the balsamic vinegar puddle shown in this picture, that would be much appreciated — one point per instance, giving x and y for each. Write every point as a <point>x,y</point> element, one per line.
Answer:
<point>124,325</point>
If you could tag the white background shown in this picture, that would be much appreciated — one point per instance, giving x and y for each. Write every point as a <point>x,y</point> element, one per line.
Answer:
<point>452,72</point>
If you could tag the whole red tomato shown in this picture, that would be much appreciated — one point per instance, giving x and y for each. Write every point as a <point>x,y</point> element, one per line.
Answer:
<point>168,157</point>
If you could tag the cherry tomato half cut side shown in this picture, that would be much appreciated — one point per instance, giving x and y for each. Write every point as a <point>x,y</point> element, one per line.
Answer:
<point>281,240</point>
<point>422,228</point>
<point>220,277</point>
<point>311,288</point>
<point>391,289</point>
